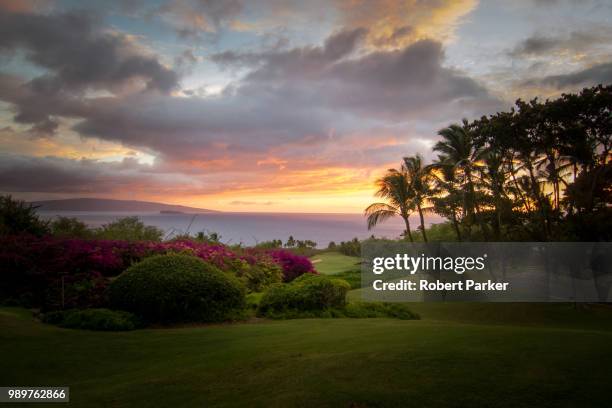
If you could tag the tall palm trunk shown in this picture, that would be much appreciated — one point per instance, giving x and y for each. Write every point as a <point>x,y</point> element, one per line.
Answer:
<point>469,203</point>
<point>535,190</point>
<point>456,224</point>
<point>498,218</point>
<point>518,188</point>
<point>422,222</point>
<point>554,174</point>
<point>408,232</point>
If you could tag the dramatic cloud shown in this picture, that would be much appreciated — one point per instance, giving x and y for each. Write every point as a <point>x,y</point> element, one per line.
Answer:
<point>398,23</point>
<point>256,102</point>
<point>398,84</point>
<point>337,46</point>
<point>293,97</point>
<point>78,56</point>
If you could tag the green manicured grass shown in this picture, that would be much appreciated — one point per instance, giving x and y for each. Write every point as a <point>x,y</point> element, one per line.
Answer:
<point>560,356</point>
<point>329,263</point>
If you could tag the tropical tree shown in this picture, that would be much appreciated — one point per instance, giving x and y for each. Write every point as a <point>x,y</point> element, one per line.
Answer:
<point>492,178</point>
<point>129,229</point>
<point>395,188</point>
<point>539,171</point>
<point>458,151</point>
<point>420,179</point>
<point>19,217</point>
<point>446,197</point>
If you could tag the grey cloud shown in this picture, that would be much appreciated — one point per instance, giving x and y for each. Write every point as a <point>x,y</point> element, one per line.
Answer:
<point>336,46</point>
<point>290,99</point>
<point>535,45</point>
<point>187,57</point>
<point>204,128</point>
<point>342,43</point>
<point>35,105</point>
<point>577,41</point>
<point>219,10</point>
<point>597,74</point>
<point>193,17</point>
<point>296,97</point>
<point>50,174</point>
<point>78,55</point>
<point>402,84</point>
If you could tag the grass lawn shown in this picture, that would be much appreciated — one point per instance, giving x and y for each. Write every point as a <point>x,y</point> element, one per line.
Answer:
<point>528,355</point>
<point>330,263</point>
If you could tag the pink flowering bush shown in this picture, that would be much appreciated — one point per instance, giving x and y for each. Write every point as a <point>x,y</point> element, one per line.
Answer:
<point>53,273</point>
<point>293,265</point>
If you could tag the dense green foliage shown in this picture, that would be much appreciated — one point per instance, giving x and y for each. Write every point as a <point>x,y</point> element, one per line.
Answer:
<point>352,277</point>
<point>205,237</point>
<point>258,276</point>
<point>19,217</point>
<point>349,248</point>
<point>129,229</point>
<point>304,294</point>
<point>70,227</point>
<point>540,172</point>
<point>177,288</point>
<point>442,232</point>
<point>93,319</point>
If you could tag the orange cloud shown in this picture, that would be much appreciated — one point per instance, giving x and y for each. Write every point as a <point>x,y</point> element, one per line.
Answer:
<point>398,23</point>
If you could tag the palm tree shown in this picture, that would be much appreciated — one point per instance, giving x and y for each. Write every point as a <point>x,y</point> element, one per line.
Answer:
<point>420,180</point>
<point>493,178</point>
<point>458,151</point>
<point>446,196</point>
<point>394,186</point>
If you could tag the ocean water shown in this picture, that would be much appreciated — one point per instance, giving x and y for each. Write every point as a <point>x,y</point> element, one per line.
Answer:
<point>250,228</point>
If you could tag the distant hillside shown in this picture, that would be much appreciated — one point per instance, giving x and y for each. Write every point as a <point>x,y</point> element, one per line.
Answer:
<point>99,204</point>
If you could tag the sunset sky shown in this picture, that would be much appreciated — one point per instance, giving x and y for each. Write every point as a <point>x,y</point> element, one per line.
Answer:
<point>288,106</point>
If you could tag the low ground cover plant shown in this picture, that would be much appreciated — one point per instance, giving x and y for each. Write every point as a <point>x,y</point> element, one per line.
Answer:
<point>177,288</point>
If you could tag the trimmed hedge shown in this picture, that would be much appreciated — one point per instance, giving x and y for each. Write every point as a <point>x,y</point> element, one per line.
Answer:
<point>93,319</point>
<point>304,294</point>
<point>177,288</point>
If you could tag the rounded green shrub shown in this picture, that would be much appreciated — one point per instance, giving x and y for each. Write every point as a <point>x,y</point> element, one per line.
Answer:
<point>308,293</point>
<point>93,319</point>
<point>177,288</point>
<point>258,276</point>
